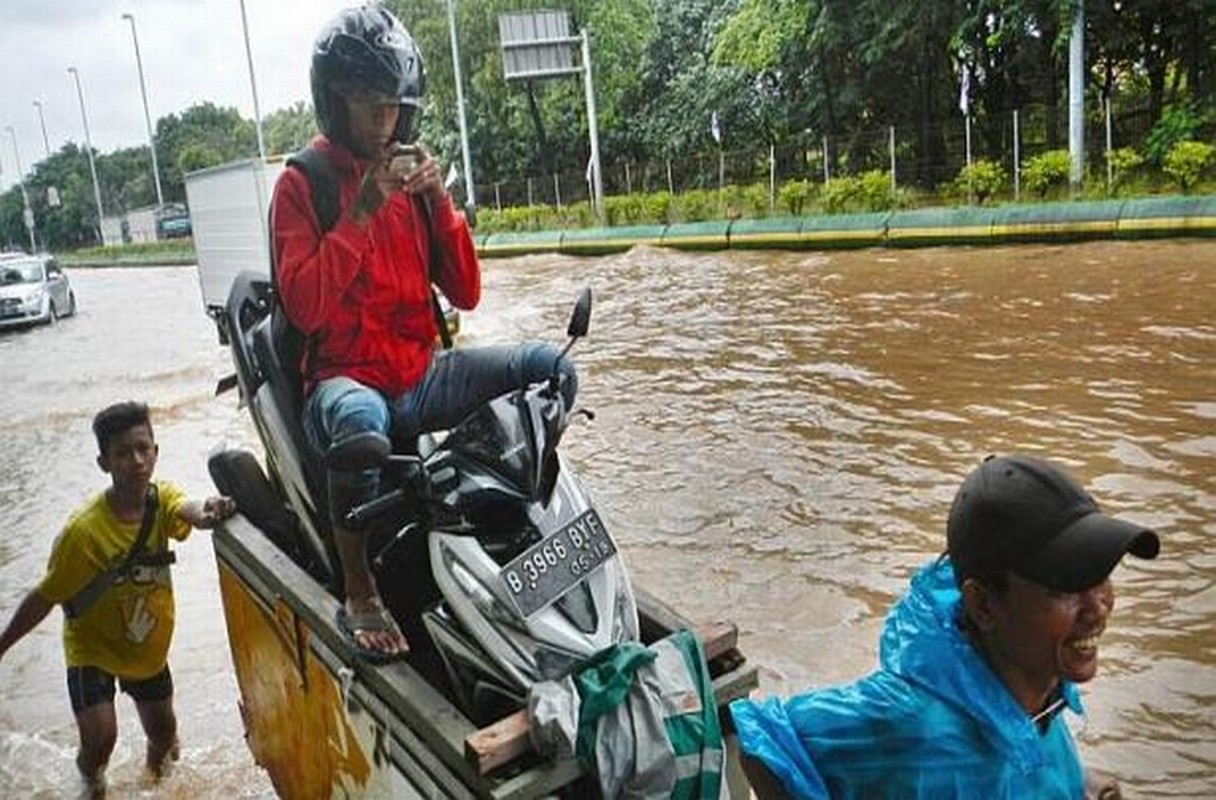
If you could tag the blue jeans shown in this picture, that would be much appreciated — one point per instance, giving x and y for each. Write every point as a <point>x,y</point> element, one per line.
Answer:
<point>455,383</point>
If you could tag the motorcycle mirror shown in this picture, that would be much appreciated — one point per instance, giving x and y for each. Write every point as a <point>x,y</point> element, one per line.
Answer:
<point>358,451</point>
<point>580,319</point>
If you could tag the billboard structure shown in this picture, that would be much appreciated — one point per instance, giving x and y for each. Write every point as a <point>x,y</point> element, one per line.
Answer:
<point>537,45</point>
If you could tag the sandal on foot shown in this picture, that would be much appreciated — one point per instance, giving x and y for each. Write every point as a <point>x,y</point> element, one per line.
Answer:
<point>353,624</point>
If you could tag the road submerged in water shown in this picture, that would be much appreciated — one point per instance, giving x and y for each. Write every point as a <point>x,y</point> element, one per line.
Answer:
<point>778,438</point>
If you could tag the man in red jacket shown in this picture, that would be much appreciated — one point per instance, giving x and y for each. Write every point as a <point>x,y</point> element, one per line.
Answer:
<point>360,291</point>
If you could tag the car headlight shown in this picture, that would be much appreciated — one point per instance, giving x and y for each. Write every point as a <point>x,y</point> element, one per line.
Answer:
<point>33,297</point>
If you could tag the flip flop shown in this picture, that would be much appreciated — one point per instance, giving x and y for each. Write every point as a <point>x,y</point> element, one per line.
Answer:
<point>352,625</point>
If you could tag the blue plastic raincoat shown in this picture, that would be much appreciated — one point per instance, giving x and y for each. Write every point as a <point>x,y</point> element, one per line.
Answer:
<point>933,721</point>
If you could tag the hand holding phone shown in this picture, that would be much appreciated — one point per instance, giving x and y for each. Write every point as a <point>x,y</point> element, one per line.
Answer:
<point>404,161</point>
<point>414,171</point>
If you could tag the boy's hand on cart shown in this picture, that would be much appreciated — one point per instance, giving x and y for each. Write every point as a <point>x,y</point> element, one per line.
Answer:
<point>215,509</point>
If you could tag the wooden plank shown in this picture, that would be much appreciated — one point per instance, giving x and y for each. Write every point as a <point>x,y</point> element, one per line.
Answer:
<point>498,744</point>
<point>508,738</point>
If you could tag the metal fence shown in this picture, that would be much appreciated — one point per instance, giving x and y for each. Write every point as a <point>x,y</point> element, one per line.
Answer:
<point>924,158</point>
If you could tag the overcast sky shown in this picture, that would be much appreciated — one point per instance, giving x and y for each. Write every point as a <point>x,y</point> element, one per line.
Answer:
<point>192,51</point>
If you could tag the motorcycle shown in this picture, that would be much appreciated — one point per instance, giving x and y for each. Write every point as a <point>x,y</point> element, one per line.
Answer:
<point>487,548</point>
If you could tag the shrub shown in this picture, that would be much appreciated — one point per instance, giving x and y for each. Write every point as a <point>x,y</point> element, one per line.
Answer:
<point>841,194</point>
<point>1177,124</point>
<point>624,209</point>
<point>875,192</point>
<point>519,218</point>
<point>1124,162</point>
<point>579,215</point>
<point>697,205</point>
<point>755,201</point>
<point>1047,170</point>
<point>1187,161</point>
<point>981,179</point>
<point>659,207</point>
<point>793,196</point>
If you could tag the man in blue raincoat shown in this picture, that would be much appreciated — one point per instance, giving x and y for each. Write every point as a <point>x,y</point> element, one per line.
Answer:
<point>977,660</point>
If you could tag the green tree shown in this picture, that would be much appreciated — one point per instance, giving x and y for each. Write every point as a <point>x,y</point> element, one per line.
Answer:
<point>289,129</point>
<point>516,130</point>
<point>209,133</point>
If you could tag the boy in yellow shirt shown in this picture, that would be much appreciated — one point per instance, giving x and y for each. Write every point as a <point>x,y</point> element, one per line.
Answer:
<point>118,626</point>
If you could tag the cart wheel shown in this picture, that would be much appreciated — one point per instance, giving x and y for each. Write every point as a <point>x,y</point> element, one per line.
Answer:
<point>237,474</point>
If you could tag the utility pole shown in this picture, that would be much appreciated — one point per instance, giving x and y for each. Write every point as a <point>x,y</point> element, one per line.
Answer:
<point>28,213</point>
<point>253,84</point>
<point>88,144</point>
<point>1076,95</point>
<point>143,91</point>
<point>46,143</point>
<point>469,190</point>
<point>597,178</point>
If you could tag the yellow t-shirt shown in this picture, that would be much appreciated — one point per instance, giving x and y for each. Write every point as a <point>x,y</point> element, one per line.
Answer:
<point>128,630</point>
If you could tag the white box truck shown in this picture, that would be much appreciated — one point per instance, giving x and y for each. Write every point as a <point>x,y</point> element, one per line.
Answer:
<point>229,208</point>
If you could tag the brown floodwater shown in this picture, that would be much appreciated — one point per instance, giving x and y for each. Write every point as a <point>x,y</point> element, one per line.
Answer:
<point>778,437</point>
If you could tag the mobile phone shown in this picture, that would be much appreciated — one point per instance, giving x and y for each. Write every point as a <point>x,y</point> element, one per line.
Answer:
<point>403,163</point>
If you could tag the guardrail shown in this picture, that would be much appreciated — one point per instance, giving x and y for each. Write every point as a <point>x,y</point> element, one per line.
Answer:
<point>967,225</point>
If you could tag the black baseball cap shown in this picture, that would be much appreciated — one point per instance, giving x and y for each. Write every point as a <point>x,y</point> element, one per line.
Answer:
<point>1027,516</point>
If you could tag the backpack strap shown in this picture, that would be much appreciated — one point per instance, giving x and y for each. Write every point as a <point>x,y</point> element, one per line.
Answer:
<point>83,600</point>
<point>322,185</point>
<point>323,190</point>
<point>445,336</point>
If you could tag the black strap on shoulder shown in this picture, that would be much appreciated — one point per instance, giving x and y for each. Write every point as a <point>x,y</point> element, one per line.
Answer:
<point>83,600</point>
<point>322,185</point>
<point>445,336</point>
<point>323,190</point>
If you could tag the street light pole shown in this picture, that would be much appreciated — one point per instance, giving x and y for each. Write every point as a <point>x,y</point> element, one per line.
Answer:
<point>470,194</point>
<point>25,198</point>
<point>139,64</point>
<point>88,144</point>
<point>46,143</point>
<point>597,178</point>
<point>253,84</point>
<point>1076,96</point>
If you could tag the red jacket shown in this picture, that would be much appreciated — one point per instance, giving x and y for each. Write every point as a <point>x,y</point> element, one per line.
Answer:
<point>362,295</point>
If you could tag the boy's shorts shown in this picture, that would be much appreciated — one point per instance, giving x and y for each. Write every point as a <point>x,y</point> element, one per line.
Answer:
<point>89,686</point>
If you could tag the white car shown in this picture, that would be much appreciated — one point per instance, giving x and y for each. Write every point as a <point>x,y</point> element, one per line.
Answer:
<point>33,290</point>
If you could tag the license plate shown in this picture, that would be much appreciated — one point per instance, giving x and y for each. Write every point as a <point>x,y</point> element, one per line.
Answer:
<point>552,566</point>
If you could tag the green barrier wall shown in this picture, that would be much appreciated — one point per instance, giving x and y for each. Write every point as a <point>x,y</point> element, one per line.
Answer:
<point>766,234</point>
<point>1045,222</point>
<point>1050,222</point>
<point>1168,216</point>
<point>600,241</point>
<point>696,236</point>
<point>523,243</point>
<point>939,226</point>
<point>844,230</point>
